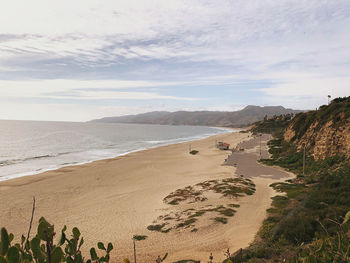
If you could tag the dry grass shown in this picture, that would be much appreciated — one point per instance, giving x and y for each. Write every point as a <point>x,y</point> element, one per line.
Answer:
<point>188,218</point>
<point>222,220</point>
<point>228,187</point>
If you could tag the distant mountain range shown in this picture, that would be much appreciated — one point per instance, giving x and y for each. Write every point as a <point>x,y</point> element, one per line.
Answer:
<point>244,117</point>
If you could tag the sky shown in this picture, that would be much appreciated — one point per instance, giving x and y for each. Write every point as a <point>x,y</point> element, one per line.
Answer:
<point>85,59</point>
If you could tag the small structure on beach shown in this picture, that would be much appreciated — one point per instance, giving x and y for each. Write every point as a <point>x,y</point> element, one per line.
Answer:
<point>223,146</point>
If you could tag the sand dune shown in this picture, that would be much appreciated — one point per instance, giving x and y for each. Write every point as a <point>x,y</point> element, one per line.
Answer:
<point>114,199</point>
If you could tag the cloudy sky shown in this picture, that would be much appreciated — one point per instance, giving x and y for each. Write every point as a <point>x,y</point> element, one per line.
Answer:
<point>84,59</point>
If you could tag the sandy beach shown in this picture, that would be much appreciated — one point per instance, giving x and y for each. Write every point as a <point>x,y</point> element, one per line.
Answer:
<point>112,200</point>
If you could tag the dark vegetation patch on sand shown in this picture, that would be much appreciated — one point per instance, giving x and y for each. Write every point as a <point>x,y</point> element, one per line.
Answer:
<point>228,187</point>
<point>187,261</point>
<point>188,218</point>
<point>222,220</point>
<point>178,218</point>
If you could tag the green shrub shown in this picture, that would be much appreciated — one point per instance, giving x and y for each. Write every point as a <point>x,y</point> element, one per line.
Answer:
<point>157,227</point>
<point>194,152</point>
<point>313,201</point>
<point>41,248</point>
<point>222,220</point>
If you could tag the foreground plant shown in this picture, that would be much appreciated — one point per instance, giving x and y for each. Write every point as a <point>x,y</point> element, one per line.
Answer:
<point>41,248</point>
<point>330,248</point>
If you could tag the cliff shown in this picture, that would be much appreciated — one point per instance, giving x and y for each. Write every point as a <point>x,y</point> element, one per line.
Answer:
<point>324,132</point>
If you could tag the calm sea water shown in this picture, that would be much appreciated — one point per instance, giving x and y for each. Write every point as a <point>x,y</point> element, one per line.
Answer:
<point>30,147</point>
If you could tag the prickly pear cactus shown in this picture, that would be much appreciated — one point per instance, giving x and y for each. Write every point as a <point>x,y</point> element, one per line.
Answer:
<point>42,249</point>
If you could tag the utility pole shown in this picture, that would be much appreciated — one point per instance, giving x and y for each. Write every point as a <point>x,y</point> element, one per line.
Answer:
<point>260,145</point>
<point>134,239</point>
<point>134,251</point>
<point>304,162</point>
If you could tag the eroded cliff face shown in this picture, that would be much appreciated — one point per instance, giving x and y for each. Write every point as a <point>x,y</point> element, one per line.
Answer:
<point>323,140</point>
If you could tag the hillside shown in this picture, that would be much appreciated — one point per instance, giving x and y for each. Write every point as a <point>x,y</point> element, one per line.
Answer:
<point>309,219</point>
<point>325,132</point>
<point>246,116</point>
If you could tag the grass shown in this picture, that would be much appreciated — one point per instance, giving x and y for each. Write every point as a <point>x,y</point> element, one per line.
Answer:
<point>189,217</point>
<point>296,217</point>
<point>175,201</point>
<point>292,190</point>
<point>187,261</point>
<point>139,237</point>
<point>157,227</point>
<point>234,187</point>
<point>336,113</point>
<point>227,212</point>
<point>186,222</point>
<point>222,220</point>
<point>197,214</point>
<point>186,194</point>
<point>274,125</point>
<point>228,187</point>
<point>300,221</point>
<point>234,205</point>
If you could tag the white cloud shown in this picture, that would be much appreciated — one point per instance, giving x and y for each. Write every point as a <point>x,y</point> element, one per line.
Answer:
<point>63,112</point>
<point>299,47</point>
<point>320,87</point>
<point>84,89</point>
<point>224,30</point>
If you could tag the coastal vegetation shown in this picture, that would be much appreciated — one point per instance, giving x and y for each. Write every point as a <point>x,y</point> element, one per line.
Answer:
<point>274,125</point>
<point>309,220</point>
<point>187,218</point>
<point>184,217</point>
<point>228,187</point>
<point>42,249</point>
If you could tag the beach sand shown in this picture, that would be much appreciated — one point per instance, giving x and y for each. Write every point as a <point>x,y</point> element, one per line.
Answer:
<point>112,200</point>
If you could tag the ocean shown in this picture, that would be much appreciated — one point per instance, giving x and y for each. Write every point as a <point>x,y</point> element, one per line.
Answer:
<point>31,147</point>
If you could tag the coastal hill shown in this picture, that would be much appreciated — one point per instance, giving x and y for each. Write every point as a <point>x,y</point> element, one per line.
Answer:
<point>244,117</point>
<point>324,132</point>
<point>310,220</point>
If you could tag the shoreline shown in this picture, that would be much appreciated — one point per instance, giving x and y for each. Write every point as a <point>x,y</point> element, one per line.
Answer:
<point>169,142</point>
<point>53,172</point>
<point>112,199</point>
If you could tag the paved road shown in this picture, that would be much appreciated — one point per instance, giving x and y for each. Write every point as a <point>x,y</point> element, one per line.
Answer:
<point>246,161</point>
